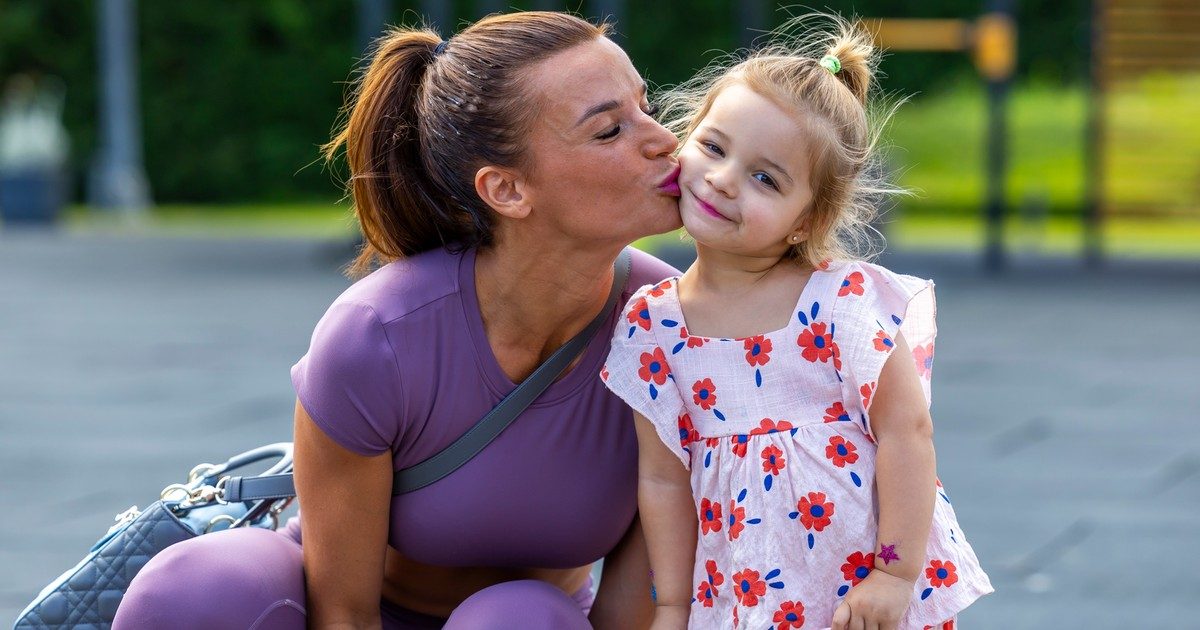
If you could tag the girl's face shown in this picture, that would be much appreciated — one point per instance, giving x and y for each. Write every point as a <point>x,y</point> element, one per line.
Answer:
<point>744,176</point>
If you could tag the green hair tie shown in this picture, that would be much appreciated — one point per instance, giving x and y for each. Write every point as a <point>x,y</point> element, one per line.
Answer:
<point>831,63</point>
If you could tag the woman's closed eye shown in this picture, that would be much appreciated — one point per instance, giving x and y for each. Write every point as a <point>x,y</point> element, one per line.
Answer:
<point>610,134</point>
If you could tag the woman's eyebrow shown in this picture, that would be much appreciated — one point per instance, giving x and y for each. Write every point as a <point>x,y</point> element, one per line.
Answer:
<point>605,107</point>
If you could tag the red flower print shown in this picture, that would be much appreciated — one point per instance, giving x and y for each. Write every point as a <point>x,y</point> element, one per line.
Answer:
<point>739,444</point>
<point>817,343</point>
<point>604,373</point>
<point>735,617</point>
<point>841,451</point>
<point>640,314</point>
<point>767,425</point>
<point>736,516</point>
<point>883,342</point>
<point>837,356</point>
<point>654,367</point>
<point>692,342</point>
<point>704,394</point>
<point>710,516</point>
<point>947,625</point>
<point>758,350</point>
<point>836,413</point>
<point>923,356</point>
<point>705,594</point>
<point>815,512</point>
<point>858,566</point>
<point>852,284</point>
<point>941,573</point>
<point>687,430</point>
<point>773,460</point>
<point>748,588</point>
<point>867,391</point>
<point>660,288</point>
<point>714,576</point>
<point>790,615</point>
<point>712,442</point>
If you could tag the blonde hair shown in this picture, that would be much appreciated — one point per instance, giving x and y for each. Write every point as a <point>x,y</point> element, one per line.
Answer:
<point>846,178</point>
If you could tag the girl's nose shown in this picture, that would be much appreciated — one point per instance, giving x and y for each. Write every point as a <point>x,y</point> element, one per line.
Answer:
<point>721,180</point>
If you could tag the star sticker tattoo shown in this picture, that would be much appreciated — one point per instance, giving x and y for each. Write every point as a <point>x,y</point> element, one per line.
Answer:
<point>887,553</point>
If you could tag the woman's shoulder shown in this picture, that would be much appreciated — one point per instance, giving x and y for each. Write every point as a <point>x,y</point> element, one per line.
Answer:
<point>406,285</point>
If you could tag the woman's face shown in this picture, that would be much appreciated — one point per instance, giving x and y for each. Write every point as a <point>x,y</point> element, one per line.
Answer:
<point>599,166</point>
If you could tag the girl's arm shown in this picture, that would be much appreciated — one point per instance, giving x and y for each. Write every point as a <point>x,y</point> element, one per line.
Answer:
<point>623,600</point>
<point>905,467</point>
<point>668,515</point>
<point>346,499</point>
<point>905,478</point>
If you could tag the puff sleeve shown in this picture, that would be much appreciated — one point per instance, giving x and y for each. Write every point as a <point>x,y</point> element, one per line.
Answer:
<point>349,381</point>
<point>872,305</point>
<point>638,372</point>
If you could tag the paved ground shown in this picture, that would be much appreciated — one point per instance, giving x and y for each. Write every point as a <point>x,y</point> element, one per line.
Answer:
<point>1066,404</point>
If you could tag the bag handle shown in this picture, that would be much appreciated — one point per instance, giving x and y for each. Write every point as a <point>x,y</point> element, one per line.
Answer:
<point>467,446</point>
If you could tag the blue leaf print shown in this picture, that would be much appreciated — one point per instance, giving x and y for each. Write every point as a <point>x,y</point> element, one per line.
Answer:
<point>631,331</point>
<point>775,584</point>
<point>943,495</point>
<point>717,412</point>
<point>952,536</point>
<point>802,317</point>
<point>793,431</point>
<point>653,392</point>
<point>811,541</point>
<point>670,323</point>
<point>742,495</point>
<point>845,588</point>
<point>815,307</point>
<point>767,482</point>
<point>855,478</point>
<point>754,521</point>
<point>772,575</point>
<point>678,347</point>
<point>757,377</point>
<point>925,593</point>
<point>896,319</point>
<point>793,515</point>
<point>708,459</point>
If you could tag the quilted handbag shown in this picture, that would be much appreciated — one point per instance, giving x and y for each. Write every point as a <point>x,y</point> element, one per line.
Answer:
<point>87,595</point>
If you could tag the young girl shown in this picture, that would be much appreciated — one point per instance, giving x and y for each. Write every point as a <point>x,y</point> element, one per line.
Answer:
<point>790,380</point>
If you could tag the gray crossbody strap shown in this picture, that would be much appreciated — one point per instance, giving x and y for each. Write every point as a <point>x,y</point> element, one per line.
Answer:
<point>479,436</point>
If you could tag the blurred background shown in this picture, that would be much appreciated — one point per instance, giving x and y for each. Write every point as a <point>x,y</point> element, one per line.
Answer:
<point>169,236</point>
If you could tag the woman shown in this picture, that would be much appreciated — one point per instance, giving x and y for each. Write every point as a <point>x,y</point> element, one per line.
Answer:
<point>497,175</point>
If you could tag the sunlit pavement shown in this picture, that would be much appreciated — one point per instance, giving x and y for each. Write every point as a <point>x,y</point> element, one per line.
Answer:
<point>1066,406</point>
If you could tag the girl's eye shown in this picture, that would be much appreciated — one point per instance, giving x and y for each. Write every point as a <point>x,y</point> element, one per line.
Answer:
<point>611,133</point>
<point>766,179</point>
<point>712,148</point>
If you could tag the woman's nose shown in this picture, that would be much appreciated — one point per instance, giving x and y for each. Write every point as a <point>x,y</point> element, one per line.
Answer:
<point>660,141</point>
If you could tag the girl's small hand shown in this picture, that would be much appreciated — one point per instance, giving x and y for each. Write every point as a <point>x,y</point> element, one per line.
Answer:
<point>876,603</point>
<point>670,618</point>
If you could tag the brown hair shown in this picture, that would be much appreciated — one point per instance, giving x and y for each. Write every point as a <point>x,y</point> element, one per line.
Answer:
<point>846,179</point>
<point>418,125</point>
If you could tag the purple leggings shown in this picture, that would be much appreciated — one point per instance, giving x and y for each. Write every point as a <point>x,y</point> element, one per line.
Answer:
<point>253,578</point>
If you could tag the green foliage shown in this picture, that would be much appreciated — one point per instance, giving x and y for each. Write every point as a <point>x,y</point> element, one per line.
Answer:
<point>236,96</point>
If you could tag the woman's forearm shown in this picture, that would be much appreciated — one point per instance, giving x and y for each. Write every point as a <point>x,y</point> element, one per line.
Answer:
<point>905,478</point>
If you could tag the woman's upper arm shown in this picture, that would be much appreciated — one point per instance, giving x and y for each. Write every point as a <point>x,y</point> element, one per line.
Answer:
<point>345,501</point>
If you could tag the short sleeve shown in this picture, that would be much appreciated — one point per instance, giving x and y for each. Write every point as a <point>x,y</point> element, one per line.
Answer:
<point>638,372</point>
<point>349,381</point>
<point>871,306</point>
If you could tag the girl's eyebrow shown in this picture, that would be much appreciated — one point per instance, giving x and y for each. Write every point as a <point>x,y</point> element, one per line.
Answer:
<point>606,106</point>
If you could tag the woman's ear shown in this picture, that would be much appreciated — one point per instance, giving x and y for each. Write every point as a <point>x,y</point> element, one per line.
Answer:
<point>504,191</point>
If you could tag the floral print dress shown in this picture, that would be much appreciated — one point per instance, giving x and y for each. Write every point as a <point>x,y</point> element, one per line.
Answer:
<point>776,432</point>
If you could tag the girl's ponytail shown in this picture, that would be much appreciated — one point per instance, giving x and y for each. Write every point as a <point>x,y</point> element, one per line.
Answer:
<point>856,54</point>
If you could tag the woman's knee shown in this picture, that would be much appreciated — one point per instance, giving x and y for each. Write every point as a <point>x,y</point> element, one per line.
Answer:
<point>244,578</point>
<point>524,604</point>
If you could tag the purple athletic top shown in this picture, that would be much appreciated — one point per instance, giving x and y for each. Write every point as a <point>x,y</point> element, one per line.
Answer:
<point>400,361</point>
